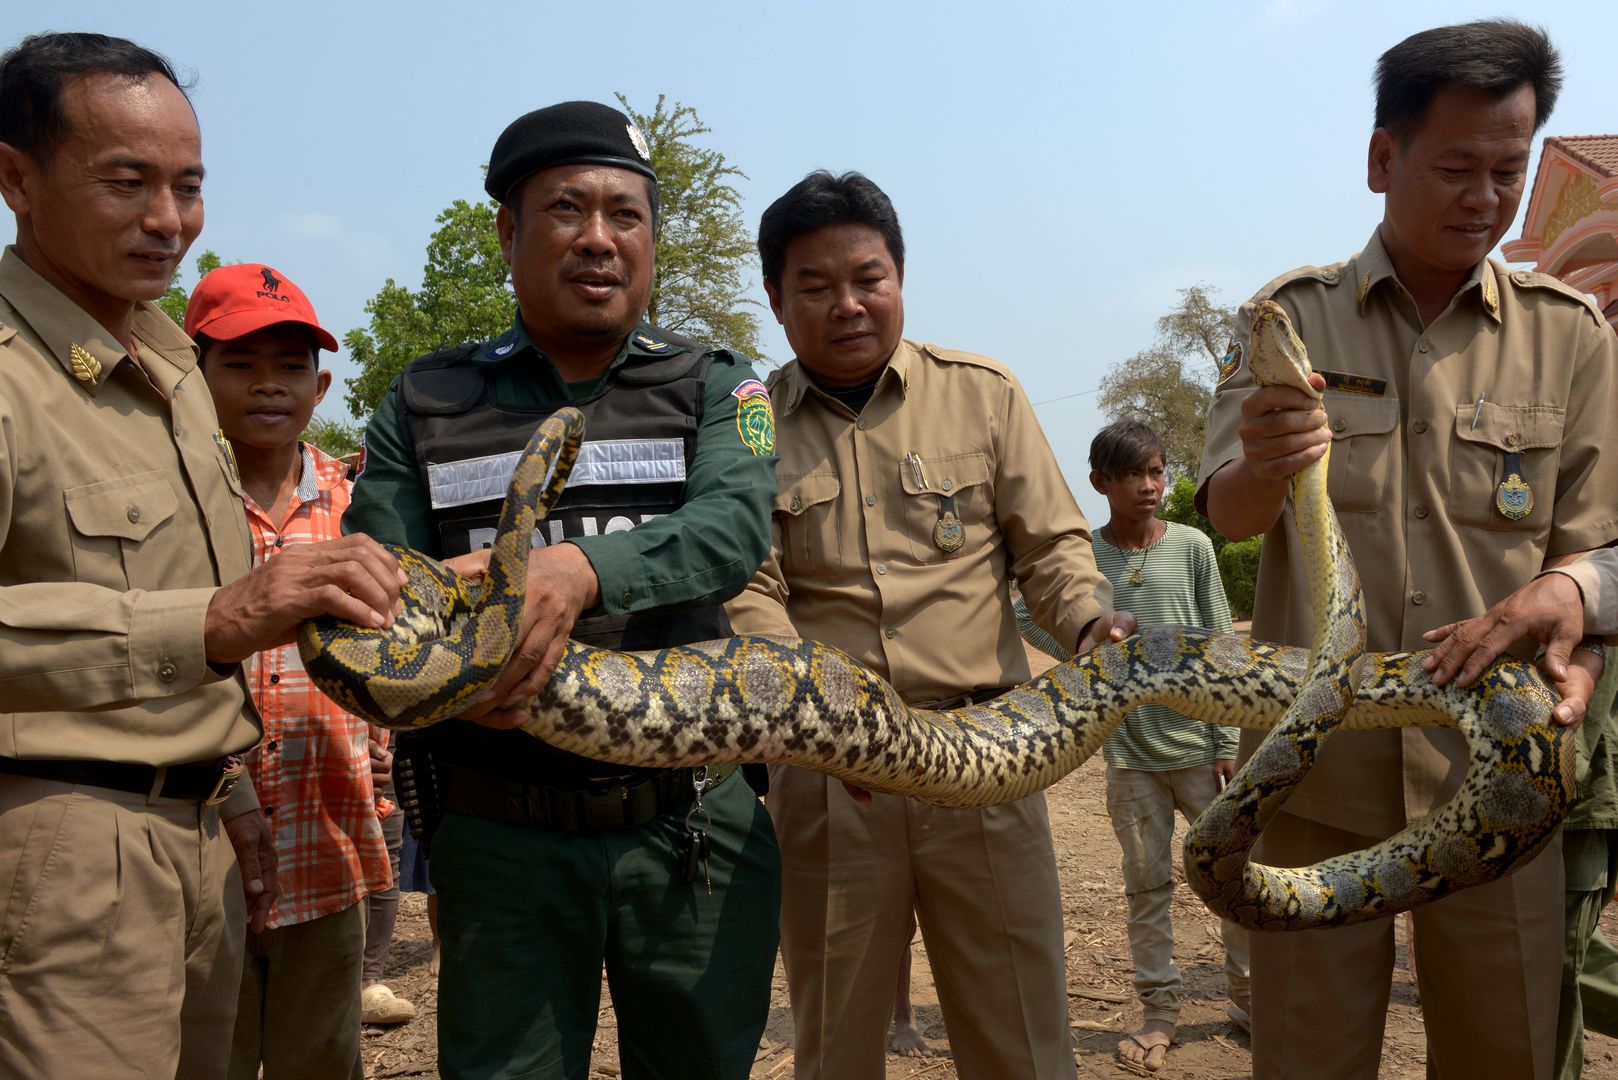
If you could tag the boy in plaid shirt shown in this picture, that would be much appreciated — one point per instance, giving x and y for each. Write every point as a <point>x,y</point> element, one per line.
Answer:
<point>299,1008</point>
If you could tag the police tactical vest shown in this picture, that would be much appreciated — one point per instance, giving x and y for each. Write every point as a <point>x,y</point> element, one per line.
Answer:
<point>640,439</point>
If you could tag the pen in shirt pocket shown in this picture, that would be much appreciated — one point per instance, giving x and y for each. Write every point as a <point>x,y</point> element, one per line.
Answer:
<point>1477,410</point>
<point>913,459</point>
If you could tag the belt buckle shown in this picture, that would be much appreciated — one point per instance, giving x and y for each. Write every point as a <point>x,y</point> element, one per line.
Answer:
<point>229,776</point>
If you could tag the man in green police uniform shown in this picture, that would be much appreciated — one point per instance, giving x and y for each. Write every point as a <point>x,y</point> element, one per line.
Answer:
<point>548,865</point>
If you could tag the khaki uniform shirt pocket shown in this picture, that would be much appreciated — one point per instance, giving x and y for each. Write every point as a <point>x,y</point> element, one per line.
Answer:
<point>1361,450</point>
<point>112,521</point>
<point>961,477</point>
<point>1534,433</point>
<point>805,507</point>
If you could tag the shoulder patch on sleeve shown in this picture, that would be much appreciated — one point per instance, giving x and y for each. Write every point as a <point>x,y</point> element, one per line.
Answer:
<point>755,419</point>
<point>957,356</point>
<point>1230,363</point>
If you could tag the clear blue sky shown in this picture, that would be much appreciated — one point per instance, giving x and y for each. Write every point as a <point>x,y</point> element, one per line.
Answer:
<point>1059,170</point>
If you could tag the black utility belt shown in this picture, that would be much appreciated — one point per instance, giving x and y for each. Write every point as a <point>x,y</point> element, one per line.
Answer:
<point>601,805</point>
<point>208,781</point>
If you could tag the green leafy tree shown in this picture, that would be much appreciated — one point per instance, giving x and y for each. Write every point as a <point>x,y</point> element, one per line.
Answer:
<point>175,297</point>
<point>1170,383</point>
<point>1238,570</point>
<point>704,250</point>
<point>333,436</point>
<point>465,295</point>
<point>1180,505</point>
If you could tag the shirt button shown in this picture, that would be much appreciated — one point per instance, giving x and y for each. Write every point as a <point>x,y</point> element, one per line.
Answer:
<point>1418,598</point>
<point>271,745</point>
<point>946,485</point>
<point>1420,426</point>
<point>1338,425</point>
<point>1424,346</point>
<point>1512,438</point>
<point>797,504</point>
<point>890,633</point>
<point>860,423</point>
<point>178,431</point>
<point>133,514</point>
<point>274,679</point>
<point>1329,275</point>
<point>1421,511</point>
<point>1520,277</point>
<point>167,672</point>
<point>626,597</point>
<point>881,568</point>
<point>870,500</point>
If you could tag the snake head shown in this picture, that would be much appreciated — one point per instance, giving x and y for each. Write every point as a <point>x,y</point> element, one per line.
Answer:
<point>1279,357</point>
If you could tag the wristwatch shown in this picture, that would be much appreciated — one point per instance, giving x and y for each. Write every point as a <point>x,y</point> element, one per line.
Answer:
<point>1591,644</point>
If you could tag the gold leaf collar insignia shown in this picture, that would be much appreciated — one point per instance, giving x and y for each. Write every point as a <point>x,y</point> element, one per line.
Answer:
<point>86,368</point>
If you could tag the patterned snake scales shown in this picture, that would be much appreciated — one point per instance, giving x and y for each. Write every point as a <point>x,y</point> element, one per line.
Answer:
<point>758,699</point>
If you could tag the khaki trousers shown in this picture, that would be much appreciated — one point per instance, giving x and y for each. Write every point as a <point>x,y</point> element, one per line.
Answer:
<point>1489,964</point>
<point>299,1010</point>
<point>121,934</point>
<point>983,887</point>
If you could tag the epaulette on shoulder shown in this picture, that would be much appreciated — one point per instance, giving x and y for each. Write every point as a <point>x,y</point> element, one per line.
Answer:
<point>1326,275</point>
<point>1533,279</point>
<point>956,356</point>
<point>655,339</point>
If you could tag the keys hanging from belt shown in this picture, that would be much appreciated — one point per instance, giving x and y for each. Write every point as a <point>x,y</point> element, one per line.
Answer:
<point>697,821</point>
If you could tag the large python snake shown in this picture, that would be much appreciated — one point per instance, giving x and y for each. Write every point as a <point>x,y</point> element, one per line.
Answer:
<point>751,699</point>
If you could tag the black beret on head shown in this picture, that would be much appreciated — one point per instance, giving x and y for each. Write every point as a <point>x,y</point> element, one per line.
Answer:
<point>572,133</point>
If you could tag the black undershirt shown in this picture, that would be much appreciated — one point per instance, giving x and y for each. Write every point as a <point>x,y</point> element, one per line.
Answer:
<point>855,397</point>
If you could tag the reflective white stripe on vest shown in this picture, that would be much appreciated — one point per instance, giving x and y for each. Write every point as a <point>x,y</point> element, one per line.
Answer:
<point>603,461</point>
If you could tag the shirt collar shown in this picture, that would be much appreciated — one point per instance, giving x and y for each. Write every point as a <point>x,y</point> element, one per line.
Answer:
<point>1373,266</point>
<point>794,383</point>
<point>644,340</point>
<point>82,346</point>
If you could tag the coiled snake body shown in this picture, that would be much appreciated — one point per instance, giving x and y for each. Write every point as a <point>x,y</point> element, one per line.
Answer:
<point>751,699</point>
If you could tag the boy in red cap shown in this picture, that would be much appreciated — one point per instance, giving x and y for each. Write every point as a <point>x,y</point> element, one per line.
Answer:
<point>299,1009</point>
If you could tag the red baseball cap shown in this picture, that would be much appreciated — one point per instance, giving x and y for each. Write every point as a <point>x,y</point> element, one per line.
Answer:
<point>234,301</point>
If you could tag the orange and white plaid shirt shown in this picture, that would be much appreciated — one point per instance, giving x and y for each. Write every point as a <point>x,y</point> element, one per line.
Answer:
<point>312,769</point>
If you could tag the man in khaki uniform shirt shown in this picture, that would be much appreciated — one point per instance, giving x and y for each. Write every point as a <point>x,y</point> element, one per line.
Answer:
<point>1465,406</point>
<point>914,482</point>
<point>121,923</point>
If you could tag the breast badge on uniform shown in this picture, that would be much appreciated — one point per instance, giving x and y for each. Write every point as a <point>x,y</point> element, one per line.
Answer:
<point>948,532</point>
<point>1230,363</point>
<point>755,419</point>
<point>86,368</point>
<point>1514,498</point>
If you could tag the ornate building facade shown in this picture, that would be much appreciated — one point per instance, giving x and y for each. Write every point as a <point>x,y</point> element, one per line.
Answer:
<point>1571,226</point>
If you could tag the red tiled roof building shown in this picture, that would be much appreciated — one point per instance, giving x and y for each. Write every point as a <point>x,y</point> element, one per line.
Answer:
<point>1571,226</point>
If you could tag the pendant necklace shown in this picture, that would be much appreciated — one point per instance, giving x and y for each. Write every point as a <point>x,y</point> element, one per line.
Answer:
<point>1136,576</point>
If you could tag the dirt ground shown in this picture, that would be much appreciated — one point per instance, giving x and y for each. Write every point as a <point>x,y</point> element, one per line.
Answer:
<point>1100,1003</point>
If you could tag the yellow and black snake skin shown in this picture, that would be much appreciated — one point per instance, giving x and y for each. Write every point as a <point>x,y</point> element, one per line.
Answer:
<point>756,699</point>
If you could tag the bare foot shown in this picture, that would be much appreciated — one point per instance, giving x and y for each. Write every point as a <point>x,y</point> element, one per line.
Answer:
<point>906,1041</point>
<point>1147,1048</point>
